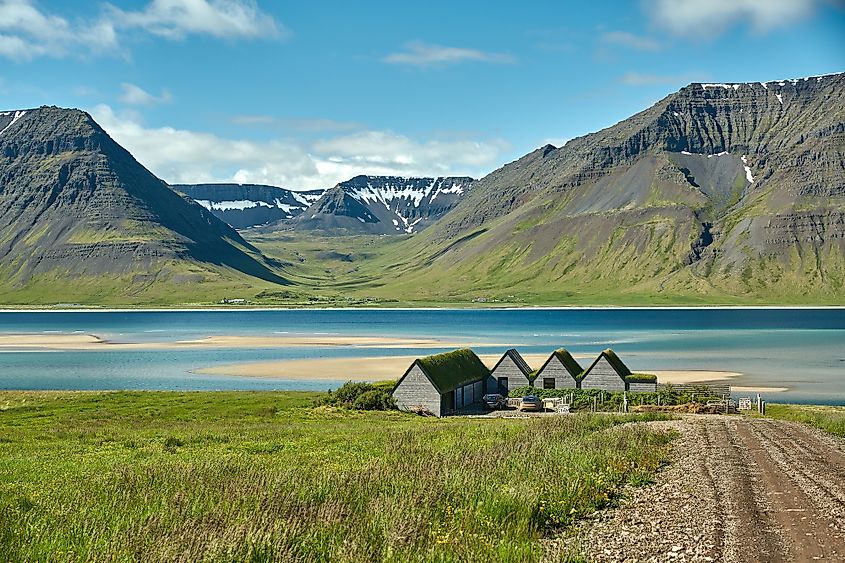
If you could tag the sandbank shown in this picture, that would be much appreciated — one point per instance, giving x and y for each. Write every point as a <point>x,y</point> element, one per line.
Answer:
<point>58,341</point>
<point>383,368</point>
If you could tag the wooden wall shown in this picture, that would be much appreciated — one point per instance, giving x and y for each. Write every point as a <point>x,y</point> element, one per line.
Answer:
<point>603,376</point>
<point>507,368</point>
<point>642,387</point>
<point>417,391</point>
<point>555,369</point>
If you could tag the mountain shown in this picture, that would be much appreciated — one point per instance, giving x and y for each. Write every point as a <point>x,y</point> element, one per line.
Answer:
<point>383,205</point>
<point>249,205</point>
<point>729,191</point>
<point>79,214</point>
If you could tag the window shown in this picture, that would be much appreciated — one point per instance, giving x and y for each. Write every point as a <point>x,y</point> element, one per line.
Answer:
<point>548,383</point>
<point>503,385</point>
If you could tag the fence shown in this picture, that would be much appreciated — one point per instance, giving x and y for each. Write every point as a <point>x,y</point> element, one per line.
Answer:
<point>717,389</point>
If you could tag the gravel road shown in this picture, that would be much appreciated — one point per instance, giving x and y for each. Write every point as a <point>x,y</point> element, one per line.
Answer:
<point>739,489</point>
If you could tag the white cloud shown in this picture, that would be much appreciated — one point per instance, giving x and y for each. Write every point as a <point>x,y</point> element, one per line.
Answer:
<point>174,19</point>
<point>647,79</point>
<point>713,17</point>
<point>136,96</point>
<point>625,39</point>
<point>418,53</point>
<point>27,32</point>
<point>183,156</point>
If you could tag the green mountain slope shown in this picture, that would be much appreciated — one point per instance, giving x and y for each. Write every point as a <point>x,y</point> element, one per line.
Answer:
<point>81,220</point>
<point>729,193</point>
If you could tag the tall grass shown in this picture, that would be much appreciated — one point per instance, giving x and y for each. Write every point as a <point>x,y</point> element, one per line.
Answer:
<point>263,477</point>
<point>828,418</point>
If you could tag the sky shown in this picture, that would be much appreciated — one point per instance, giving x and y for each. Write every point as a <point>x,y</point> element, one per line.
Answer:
<point>307,94</point>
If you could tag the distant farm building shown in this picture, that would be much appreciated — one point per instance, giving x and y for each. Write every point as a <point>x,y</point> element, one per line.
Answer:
<point>442,383</point>
<point>561,371</point>
<point>510,372</point>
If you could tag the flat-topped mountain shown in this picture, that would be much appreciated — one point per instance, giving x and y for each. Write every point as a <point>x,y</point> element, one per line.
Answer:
<point>76,208</point>
<point>249,205</point>
<point>383,205</point>
<point>717,188</point>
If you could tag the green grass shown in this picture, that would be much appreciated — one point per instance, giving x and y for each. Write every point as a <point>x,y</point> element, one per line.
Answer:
<point>263,476</point>
<point>828,418</point>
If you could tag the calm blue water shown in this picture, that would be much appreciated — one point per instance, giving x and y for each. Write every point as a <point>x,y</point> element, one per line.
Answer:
<point>803,349</point>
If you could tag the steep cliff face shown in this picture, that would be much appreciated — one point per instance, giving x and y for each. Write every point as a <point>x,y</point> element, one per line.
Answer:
<point>249,205</point>
<point>75,203</point>
<point>383,205</point>
<point>734,186</point>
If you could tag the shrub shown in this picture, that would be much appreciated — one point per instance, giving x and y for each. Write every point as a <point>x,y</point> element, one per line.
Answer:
<point>374,400</point>
<point>360,395</point>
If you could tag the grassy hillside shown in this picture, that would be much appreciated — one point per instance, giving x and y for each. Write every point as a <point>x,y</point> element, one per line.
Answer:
<point>264,476</point>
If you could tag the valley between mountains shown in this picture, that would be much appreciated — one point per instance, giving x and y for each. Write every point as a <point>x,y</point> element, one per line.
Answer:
<point>717,194</point>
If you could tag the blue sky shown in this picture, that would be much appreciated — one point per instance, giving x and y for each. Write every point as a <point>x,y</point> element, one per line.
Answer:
<point>304,95</point>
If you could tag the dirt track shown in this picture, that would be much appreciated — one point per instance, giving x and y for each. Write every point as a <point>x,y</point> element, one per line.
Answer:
<point>739,489</point>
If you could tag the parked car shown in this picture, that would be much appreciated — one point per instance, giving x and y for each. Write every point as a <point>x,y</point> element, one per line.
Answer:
<point>495,401</point>
<point>531,403</point>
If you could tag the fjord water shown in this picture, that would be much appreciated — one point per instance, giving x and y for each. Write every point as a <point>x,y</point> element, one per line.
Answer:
<point>801,349</point>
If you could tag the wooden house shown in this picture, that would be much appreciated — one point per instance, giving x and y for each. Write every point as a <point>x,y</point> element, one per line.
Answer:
<point>607,372</point>
<point>510,372</point>
<point>442,383</point>
<point>610,373</point>
<point>561,371</point>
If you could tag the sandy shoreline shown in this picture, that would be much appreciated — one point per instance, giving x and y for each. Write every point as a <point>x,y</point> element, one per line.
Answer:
<point>383,368</point>
<point>47,342</point>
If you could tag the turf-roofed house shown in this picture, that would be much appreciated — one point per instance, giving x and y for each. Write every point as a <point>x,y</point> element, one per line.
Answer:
<point>609,373</point>
<point>510,372</point>
<point>561,371</point>
<point>442,383</point>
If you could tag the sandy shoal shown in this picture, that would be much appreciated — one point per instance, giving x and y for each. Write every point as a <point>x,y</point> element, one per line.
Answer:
<point>392,367</point>
<point>92,342</point>
<point>753,389</point>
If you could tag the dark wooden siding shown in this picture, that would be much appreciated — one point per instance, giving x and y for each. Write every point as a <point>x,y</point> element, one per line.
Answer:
<point>603,376</point>
<point>555,369</point>
<point>415,391</point>
<point>507,368</point>
<point>642,387</point>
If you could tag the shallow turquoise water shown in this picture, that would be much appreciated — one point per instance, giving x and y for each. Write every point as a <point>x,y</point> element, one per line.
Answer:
<point>803,349</point>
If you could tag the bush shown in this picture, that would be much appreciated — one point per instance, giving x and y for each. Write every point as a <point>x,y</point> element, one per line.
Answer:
<point>360,395</point>
<point>374,400</point>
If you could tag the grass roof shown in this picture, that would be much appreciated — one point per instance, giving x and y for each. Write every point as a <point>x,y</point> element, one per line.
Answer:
<point>617,364</point>
<point>570,363</point>
<point>450,370</point>
<point>641,378</point>
<point>518,361</point>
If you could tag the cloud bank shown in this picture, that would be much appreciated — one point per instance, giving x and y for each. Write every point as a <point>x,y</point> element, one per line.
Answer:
<point>184,156</point>
<point>27,32</point>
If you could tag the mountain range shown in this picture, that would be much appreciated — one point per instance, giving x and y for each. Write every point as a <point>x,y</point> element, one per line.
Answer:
<point>719,189</point>
<point>249,205</point>
<point>718,193</point>
<point>383,205</point>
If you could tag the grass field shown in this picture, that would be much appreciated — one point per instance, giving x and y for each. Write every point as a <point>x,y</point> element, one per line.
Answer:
<point>263,476</point>
<point>828,418</point>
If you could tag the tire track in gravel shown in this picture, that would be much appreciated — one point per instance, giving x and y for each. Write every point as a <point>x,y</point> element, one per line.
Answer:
<point>752,490</point>
<point>795,494</point>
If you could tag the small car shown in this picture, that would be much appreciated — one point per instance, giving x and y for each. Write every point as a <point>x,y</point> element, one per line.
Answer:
<point>495,401</point>
<point>531,403</point>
